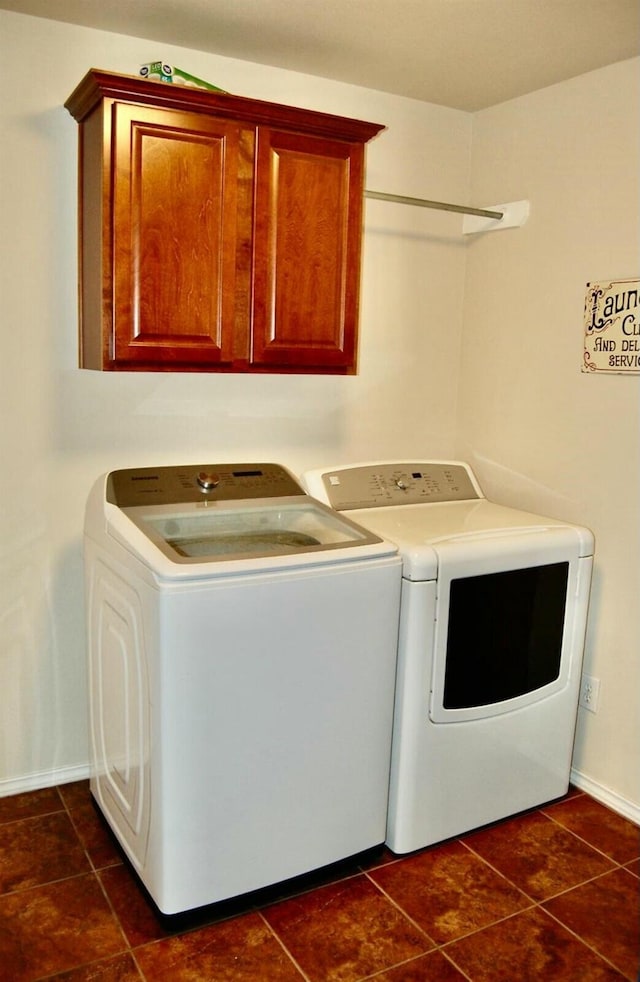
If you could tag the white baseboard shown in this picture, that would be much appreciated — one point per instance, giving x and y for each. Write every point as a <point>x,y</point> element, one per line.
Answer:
<point>43,779</point>
<point>80,772</point>
<point>628,809</point>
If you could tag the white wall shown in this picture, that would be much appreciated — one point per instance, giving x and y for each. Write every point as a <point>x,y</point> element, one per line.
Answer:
<point>61,426</point>
<point>540,433</point>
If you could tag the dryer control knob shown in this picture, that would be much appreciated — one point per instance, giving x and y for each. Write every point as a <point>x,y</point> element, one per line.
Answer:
<point>208,481</point>
<point>401,484</point>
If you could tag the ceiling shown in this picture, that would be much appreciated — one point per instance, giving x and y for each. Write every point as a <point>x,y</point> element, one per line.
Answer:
<point>465,54</point>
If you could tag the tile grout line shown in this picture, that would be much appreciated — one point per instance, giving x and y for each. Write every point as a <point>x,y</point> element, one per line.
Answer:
<point>282,945</point>
<point>128,949</point>
<point>547,913</point>
<point>75,828</point>
<point>485,927</point>
<point>410,961</point>
<point>441,947</point>
<point>590,844</point>
<point>404,913</point>
<point>582,883</point>
<point>95,872</point>
<point>532,905</point>
<point>532,900</point>
<point>47,883</point>
<point>584,941</point>
<point>32,818</point>
<point>539,904</point>
<point>141,974</point>
<point>552,896</point>
<point>114,913</point>
<point>23,818</point>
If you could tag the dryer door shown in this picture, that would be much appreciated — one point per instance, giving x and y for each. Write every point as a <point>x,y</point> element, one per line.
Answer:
<point>505,622</point>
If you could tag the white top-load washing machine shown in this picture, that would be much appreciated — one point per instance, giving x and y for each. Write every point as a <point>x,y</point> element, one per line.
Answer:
<point>242,653</point>
<point>493,616</point>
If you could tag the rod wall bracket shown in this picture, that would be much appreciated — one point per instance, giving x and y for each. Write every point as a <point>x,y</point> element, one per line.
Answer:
<point>514,214</point>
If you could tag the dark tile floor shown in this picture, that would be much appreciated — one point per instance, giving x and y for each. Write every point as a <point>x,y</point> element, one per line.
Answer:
<point>549,896</point>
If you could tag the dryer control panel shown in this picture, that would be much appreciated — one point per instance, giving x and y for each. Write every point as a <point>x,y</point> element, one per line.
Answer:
<point>394,483</point>
<point>193,482</point>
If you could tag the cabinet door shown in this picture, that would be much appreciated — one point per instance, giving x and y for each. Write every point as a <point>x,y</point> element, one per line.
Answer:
<point>181,258</point>
<point>307,231</point>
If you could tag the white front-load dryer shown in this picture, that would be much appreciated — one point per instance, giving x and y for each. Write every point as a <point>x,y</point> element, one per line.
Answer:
<point>492,625</point>
<point>242,651</point>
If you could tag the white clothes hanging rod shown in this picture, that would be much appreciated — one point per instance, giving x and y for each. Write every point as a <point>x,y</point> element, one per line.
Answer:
<point>439,205</point>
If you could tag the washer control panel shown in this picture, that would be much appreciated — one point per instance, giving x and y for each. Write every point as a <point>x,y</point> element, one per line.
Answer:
<point>193,482</point>
<point>378,485</point>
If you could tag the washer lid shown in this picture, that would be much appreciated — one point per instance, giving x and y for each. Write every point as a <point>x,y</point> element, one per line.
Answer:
<point>208,532</point>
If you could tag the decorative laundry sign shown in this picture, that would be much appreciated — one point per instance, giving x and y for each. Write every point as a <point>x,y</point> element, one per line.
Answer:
<point>612,327</point>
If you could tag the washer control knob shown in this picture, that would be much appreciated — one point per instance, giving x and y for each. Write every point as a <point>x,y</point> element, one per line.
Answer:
<point>401,484</point>
<point>208,480</point>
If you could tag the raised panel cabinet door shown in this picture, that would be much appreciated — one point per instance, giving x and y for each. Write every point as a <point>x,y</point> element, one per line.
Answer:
<point>178,246</point>
<point>307,233</point>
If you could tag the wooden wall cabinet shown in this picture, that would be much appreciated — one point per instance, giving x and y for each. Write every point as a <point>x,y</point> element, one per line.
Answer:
<point>217,233</point>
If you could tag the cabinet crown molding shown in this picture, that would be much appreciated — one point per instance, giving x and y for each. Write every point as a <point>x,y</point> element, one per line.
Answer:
<point>98,85</point>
